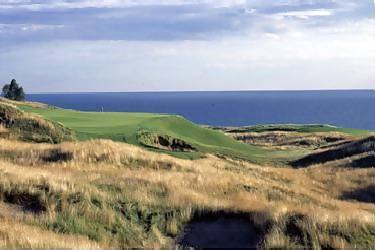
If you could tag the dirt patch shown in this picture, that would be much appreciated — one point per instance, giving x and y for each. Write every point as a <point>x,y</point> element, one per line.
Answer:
<point>219,230</point>
<point>366,194</point>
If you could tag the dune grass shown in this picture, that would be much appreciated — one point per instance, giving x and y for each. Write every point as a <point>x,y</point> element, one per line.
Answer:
<point>107,194</point>
<point>17,124</point>
<point>307,128</point>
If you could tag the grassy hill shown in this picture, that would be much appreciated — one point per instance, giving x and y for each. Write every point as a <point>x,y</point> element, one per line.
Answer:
<point>175,135</point>
<point>125,127</point>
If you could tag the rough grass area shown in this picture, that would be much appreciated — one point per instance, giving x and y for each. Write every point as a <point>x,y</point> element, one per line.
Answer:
<point>365,148</point>
<point>4,132</point>
<point>113,195</point>
<point>17,124</point>
<point>365,194</point>
<point>313,128</point>
<point>282,139</point>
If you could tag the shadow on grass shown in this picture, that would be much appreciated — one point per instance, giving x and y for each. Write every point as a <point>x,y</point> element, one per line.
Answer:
<point>27,201</point>
<point>354,148</point>
<point>366,194</point>
<point>56,155</point>
<point>219,230</point>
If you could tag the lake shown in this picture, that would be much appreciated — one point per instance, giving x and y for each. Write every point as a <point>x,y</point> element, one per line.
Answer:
<point>347,108</point>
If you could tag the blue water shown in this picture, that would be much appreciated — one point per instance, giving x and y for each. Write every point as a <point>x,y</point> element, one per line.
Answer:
<point>353,109</point>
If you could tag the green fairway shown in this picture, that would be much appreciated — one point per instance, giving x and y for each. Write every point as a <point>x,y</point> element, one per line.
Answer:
<point>125,126</point>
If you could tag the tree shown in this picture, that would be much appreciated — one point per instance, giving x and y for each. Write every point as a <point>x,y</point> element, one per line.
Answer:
<point>13,92</point>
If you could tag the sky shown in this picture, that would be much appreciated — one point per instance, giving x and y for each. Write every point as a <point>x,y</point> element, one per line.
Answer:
<point>180,45</point>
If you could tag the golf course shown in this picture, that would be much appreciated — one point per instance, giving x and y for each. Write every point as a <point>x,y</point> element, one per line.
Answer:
<point>187,124</point>
<point>105,179</point>
<point>146,130</point>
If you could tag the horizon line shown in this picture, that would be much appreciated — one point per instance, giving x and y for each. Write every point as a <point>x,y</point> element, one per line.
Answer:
<point>192,91</point>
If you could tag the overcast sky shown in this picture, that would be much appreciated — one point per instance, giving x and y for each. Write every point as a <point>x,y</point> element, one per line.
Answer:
<point>169,45</point>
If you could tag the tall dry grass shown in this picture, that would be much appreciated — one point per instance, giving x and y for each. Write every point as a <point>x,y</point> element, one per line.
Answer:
<point>14,234</point>
<point>31,104</point>
<point>113,194</point>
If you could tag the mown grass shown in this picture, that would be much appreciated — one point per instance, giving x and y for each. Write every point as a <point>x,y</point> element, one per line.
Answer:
<point>106,194</point>
<point>124,127</point>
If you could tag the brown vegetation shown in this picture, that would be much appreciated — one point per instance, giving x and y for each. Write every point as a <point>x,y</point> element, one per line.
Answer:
<point>16,124</point>
<point>106,194</point>
<point>31,104</point>
<point>358,153</point>
<point>286,139</point>
<point>160,141</point>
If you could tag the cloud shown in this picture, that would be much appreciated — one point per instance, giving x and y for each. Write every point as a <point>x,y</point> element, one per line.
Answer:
<point>36,5</point>
<point>135,23</point>
<point>344,59</point>
<point>28,27</point>
<point>162,20</point>
<point>188,44</point>
<point>306,14</point>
